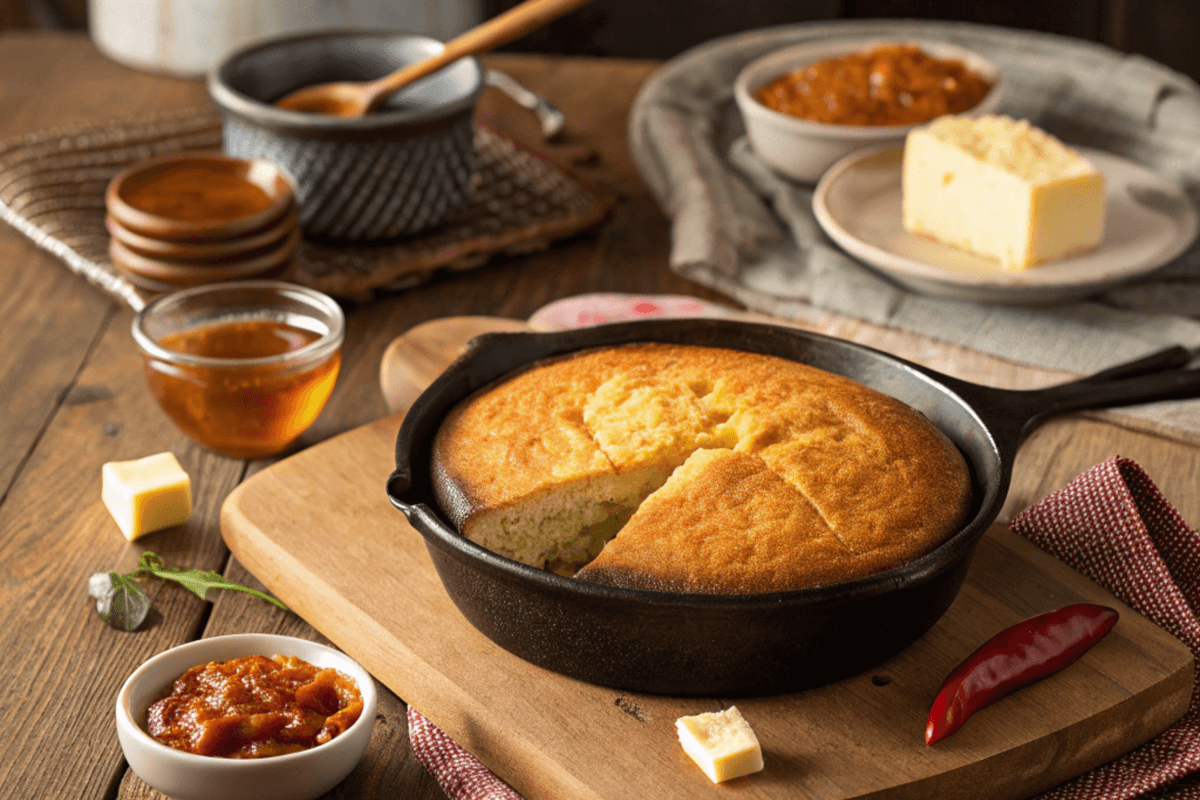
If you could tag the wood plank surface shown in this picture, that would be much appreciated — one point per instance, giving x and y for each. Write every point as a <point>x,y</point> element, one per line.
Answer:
<point>318,531</point>
<point>73,398</point>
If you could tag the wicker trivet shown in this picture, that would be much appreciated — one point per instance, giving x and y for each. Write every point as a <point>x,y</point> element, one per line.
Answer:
<point>52,190</point>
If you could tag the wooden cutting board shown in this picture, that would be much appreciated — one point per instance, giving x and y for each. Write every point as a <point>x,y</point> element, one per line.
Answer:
<point>318,530</point>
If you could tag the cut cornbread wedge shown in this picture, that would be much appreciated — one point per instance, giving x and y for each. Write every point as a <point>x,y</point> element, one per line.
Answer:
<point>146,495</point>
<point>721,743</point>
<point>726,508</point>
<point>1002,189</point>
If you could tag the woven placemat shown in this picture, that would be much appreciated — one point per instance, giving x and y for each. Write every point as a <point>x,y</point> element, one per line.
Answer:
<point>52,187</point>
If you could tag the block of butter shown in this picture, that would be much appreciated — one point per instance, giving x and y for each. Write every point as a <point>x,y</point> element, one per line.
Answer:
<point>1002,189</point>
<point>721,743</point>
<point>146,495</point>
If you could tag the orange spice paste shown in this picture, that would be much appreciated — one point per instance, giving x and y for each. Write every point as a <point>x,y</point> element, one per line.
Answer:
<point>890,85</point>
<point>254,707</point>
<point>196,191</point>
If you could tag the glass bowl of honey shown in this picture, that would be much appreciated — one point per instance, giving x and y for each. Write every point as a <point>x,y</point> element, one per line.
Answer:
<point>242,367</point>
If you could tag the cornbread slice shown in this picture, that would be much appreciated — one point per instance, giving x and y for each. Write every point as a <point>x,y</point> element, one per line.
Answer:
<point>518,471</point>
<point>724,471</point>
<point>1002,189</point>
<point>724,523</point>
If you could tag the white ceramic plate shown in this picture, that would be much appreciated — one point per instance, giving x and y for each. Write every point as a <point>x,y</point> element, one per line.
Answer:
<point>1148,222</point>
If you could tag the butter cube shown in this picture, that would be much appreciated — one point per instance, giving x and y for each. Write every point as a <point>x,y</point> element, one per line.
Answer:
<point>147,494</point>
<point>1002,189</point>
<point>721,743</point>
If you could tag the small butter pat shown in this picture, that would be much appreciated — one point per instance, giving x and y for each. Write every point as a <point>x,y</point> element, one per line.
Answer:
<point>721,743</point>
<point>1002,189</point>
<point>146,495</point>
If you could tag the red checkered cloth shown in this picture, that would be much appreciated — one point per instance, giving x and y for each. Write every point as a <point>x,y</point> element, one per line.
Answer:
<point>461,775</point>
<point>1112,524</point>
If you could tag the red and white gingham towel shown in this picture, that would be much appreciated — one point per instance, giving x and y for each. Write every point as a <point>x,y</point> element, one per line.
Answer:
<point>1110,523</point>
<point>461,775</point>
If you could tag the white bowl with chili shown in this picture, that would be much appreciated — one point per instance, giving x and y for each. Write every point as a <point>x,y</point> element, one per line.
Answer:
<point>247,715</point>
<point>808,105</point>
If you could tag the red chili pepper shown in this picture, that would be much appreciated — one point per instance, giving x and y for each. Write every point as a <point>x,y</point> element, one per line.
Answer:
<point>1027,651</point>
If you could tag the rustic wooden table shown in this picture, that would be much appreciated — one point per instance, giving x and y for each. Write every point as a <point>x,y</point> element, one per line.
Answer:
<point>73,398</point>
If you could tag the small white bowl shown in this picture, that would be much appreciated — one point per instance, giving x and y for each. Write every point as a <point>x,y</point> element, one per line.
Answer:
<point>186,776</point>
<point>803,150</point>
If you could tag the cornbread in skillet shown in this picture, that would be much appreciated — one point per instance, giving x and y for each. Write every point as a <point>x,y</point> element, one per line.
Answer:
<point>725,472</point>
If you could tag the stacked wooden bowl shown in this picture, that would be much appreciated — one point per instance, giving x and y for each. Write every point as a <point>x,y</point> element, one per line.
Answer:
<point>193,218</point>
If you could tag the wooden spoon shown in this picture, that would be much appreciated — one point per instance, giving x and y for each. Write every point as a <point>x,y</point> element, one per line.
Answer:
<point>351,99</point>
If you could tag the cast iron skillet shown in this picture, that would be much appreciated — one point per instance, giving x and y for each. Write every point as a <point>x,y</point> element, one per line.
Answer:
<point>680,644</point>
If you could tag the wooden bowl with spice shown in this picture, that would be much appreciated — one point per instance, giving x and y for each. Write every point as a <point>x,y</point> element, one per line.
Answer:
<point>262,697</point>
<point>153,273</point>
<point>808,105</point>
<point>199,197</point>
<point>190,218</point>
<point>216,251</point>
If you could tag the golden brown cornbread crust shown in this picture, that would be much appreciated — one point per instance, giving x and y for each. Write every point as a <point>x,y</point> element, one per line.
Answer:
<point>799,477</point>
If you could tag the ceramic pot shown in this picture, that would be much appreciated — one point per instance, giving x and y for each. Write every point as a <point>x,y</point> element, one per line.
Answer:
<point>397,172</point>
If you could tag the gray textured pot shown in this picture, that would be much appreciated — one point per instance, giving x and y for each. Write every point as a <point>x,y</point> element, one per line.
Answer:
<point>394,173</point>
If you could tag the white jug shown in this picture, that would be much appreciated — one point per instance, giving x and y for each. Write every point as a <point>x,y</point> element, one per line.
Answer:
<point>188,37</point>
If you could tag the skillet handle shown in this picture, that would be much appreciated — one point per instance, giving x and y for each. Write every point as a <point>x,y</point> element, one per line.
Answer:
<point>1158,376</point>
<point>1176,384</point>
<point>1012,414</point>
<point>1169,358</point>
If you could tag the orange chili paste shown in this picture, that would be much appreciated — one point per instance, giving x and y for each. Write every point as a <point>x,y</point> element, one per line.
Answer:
<point>254,707</point>
<point>196,191</point>
<point>890,85</point>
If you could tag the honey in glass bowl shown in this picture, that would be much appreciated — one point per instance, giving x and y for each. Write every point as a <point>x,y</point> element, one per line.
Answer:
<point>245,367</point>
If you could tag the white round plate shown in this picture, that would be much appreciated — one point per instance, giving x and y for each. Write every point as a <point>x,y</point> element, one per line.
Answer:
<point>1148,222</point>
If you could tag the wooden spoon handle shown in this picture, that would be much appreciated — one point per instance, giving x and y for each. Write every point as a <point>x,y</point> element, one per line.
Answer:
<point>512,24</point>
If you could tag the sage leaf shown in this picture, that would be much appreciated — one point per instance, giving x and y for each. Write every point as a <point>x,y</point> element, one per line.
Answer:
<point>119,600</point>
<point>122,604</point>
<point>196,581</point>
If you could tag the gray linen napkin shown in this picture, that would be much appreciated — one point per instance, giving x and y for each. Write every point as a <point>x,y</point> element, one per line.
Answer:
<point>742,230</point>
